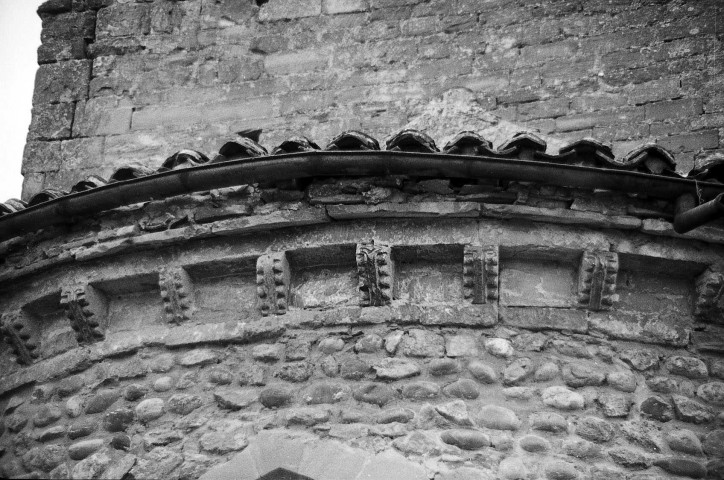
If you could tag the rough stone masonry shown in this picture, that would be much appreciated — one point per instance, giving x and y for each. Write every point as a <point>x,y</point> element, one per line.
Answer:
<point>402,327</point>
<point>134,81</point>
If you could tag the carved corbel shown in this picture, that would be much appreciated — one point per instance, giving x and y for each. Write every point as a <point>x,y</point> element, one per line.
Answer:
<point>376,272</point>
<point>177,293</point>
<point>480,273</point>
<point>597,280</point>
<point>709,301</point>
<point>272,283</point>
<point>21,333</point>
<point>87,309</point>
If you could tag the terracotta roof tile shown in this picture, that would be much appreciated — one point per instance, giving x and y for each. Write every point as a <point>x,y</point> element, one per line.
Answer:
<point>353,140</point>
<point>411,141</point>
<point>648,158</point>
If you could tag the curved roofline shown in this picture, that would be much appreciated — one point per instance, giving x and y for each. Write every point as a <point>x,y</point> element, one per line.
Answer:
<point>340,164</point>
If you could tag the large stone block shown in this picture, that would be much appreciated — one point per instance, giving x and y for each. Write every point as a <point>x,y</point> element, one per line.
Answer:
<point>544,318</point>
<point>62,82</point>
<point>333,7</point>
<point>289,10</point>
<point>121,19</point>
<point>82,153</point>
<point>41,157</point>
<point>296,62</point>
<point>102,116</point>
<point>51,122</point>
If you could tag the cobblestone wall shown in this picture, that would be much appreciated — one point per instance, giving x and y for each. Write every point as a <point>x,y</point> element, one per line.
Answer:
<point>124,81</point>
<point>472,346</point>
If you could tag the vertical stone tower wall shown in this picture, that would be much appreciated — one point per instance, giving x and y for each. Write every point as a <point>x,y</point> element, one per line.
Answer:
<point>134,81</point>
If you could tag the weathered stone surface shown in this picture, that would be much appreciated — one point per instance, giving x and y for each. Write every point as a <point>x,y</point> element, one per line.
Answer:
<point>374,393</point>
<point>198,358</point>
<point>682,466</point>
<point>497,418</point>
<point>118,420</point>
<point>370,343</point>
<point>615,404</point>
<point>595,429</point>
<point>714,443</point>
<point>221,443</point>
<point>276,396</point>
<point>562,398</point>
<point>74,406</point>
<point>689,367</point>
<point>560,470</point>
<point>183,404</point>
<point>684,441</point>
<point>421,390</point>
<point>546,371</point>
<point>712,392</point>
<point>644,434</point>
<point>439,367</point>
<point>289,9</point>
<point>499,347</point>
<point>234,399</point>
<point>518,371</point>
<point>461,346</point>
<point>423,343</point>
<point>161,436</point>
<point>307,416</point>
<point>52,433</point>
<point>534,444</point>
<point>158,463</point>
<point>512,468</point>
<point>268,352</point>
<point>657,408</point>
<point>62,82</point>
<point>46,414</point>
<point>418,443</point>
<point>150,409</point>
<point>580,448</point>
<point>579,375</point>
<point>629,458</point>
<point>163,384</point>
<point>482,371</point>
<point>101,401</point>
<point>691,411</point>
<point>295,372</point>
<point>622,380</point>
<point>331,345</point>
<point>44,458</point>
<point>353,368</point>
<point>541,318</point>
<point>134,392</point>
<point>640,359</point>
<point>662,384</point>
<point>462,388</point>
<point>395,369</point>
<point>322,393</point>
<point>548,422</point>
<point>121,441</point>
<point>455,412</point>
<point>465,439</point>
<point>251,375</point>
<point>70,385</point>
<point>82,449</point>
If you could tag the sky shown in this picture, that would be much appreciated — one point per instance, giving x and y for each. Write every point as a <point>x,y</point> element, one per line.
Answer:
<point>19,41</point>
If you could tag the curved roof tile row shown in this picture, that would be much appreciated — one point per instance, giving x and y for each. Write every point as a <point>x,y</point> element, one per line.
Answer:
<point>648,158</point>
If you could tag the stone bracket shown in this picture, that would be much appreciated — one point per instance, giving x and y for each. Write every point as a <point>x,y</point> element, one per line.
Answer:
<point>481,268</point>
<point>709,301</point>
<point>597,280</point>
<point>177,293</point>
<point>272,283</point>
<point>87,309</point>
<point>376,274</point>
<point>21,333</point>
